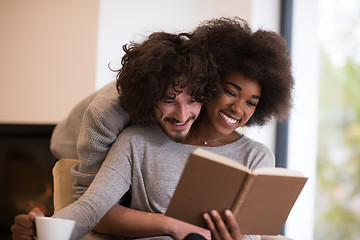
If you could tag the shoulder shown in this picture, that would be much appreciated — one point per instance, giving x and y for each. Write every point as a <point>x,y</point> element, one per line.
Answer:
<point>258,153</point>
<point>138,139</point>
<point>141,134</point>
<point>255,145</point>
<point>105,109</point>
<point>107,99</point>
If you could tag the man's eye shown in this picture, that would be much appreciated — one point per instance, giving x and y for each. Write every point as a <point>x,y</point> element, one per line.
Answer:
<point>168,101</point>
<point>192,101</point>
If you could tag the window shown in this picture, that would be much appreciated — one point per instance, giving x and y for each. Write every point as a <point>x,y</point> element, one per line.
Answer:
<point>337,212</point>
<point>324,129</point>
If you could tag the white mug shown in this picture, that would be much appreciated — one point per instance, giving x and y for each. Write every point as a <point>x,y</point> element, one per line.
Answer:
<point>48,228</point>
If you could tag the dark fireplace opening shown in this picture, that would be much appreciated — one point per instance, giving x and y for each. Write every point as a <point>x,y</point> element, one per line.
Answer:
<point>25,172</point>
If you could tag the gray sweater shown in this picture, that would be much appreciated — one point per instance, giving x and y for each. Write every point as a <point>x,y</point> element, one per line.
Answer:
<point>145,161</point>
<point>88,133</point>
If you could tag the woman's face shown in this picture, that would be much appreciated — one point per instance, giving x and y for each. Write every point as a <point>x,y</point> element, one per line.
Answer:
<point>235,106</point>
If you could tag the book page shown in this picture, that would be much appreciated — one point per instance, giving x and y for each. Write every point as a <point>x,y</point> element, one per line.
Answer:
<point>278,172</point>
<point>221,159</point>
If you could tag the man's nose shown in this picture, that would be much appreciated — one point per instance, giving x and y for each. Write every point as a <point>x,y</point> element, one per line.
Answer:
<point>181,113</point>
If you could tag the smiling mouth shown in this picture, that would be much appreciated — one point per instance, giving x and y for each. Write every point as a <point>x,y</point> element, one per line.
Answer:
<point>181,124</point>
<point>229,119</point>
<point>177,123</point>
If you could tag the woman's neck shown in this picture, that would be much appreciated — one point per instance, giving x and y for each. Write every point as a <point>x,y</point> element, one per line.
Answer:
<point>202,133</point>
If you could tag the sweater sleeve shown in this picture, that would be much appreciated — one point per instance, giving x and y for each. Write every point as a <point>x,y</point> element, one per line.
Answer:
<point>109,185</point>
<point>107,188</point>
<point>65,135</point>
<point>102,122</point>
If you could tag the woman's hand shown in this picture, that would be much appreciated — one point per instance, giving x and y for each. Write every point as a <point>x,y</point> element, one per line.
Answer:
<point>219,230</point>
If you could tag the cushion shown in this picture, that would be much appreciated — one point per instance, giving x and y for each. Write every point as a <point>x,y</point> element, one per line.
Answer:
<point>63,191</point>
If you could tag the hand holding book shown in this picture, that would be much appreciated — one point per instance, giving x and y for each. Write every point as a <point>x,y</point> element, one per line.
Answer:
<point>260,200</point>
<point>218,228</point>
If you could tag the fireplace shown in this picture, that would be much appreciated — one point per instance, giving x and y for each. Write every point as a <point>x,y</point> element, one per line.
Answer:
<point>25,172</point>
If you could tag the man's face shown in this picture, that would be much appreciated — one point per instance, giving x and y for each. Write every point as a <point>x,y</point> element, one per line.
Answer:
<point>176,115</point>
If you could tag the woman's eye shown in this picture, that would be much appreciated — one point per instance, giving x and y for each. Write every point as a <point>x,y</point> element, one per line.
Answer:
<point>230,93</point>
<point>253,104</point>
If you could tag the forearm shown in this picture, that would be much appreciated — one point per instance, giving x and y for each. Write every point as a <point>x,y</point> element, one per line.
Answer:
<point>125,222</point>
<point>129,223</point>
<point>93,144</point>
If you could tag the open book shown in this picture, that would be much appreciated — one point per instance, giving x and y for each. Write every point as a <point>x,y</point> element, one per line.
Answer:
<point>260,200</point>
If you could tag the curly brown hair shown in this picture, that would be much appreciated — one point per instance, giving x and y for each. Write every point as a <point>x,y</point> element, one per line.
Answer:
<point>262,56</point>
<point>151,67</point>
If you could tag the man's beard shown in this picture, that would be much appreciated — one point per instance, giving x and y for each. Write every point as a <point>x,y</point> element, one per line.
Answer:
<point>178,136</point>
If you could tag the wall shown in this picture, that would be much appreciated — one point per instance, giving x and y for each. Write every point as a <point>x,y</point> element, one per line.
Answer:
<point>265,15</point>
<point>121,22</point>
<point>54,53</point>
<point>48,57</point>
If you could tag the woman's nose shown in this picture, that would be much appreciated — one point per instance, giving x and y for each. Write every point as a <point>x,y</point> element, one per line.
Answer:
<point>238,107</point>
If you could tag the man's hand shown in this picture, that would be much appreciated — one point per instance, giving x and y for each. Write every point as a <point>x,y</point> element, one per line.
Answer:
<point>130,223</point>
<point>218,228</point>
<point>24,227</point>
<point>181,229</point>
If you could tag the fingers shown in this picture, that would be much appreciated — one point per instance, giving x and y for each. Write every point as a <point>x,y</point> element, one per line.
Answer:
<point>19,233</point>
<point>233,225</point>
<point>211,226</point>
<point>218,227</point>
<point>23,228</point>
<point>24,221</point>
<point>35,212</point>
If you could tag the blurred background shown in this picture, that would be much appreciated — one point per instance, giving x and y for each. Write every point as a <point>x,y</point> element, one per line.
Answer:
<point>54,53</point>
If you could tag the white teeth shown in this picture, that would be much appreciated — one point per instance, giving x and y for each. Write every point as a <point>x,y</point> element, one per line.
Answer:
<point>228,119</point>
<point>180,124</point>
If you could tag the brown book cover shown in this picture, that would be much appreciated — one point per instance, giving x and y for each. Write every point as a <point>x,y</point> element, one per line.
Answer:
<point>260,200</point>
